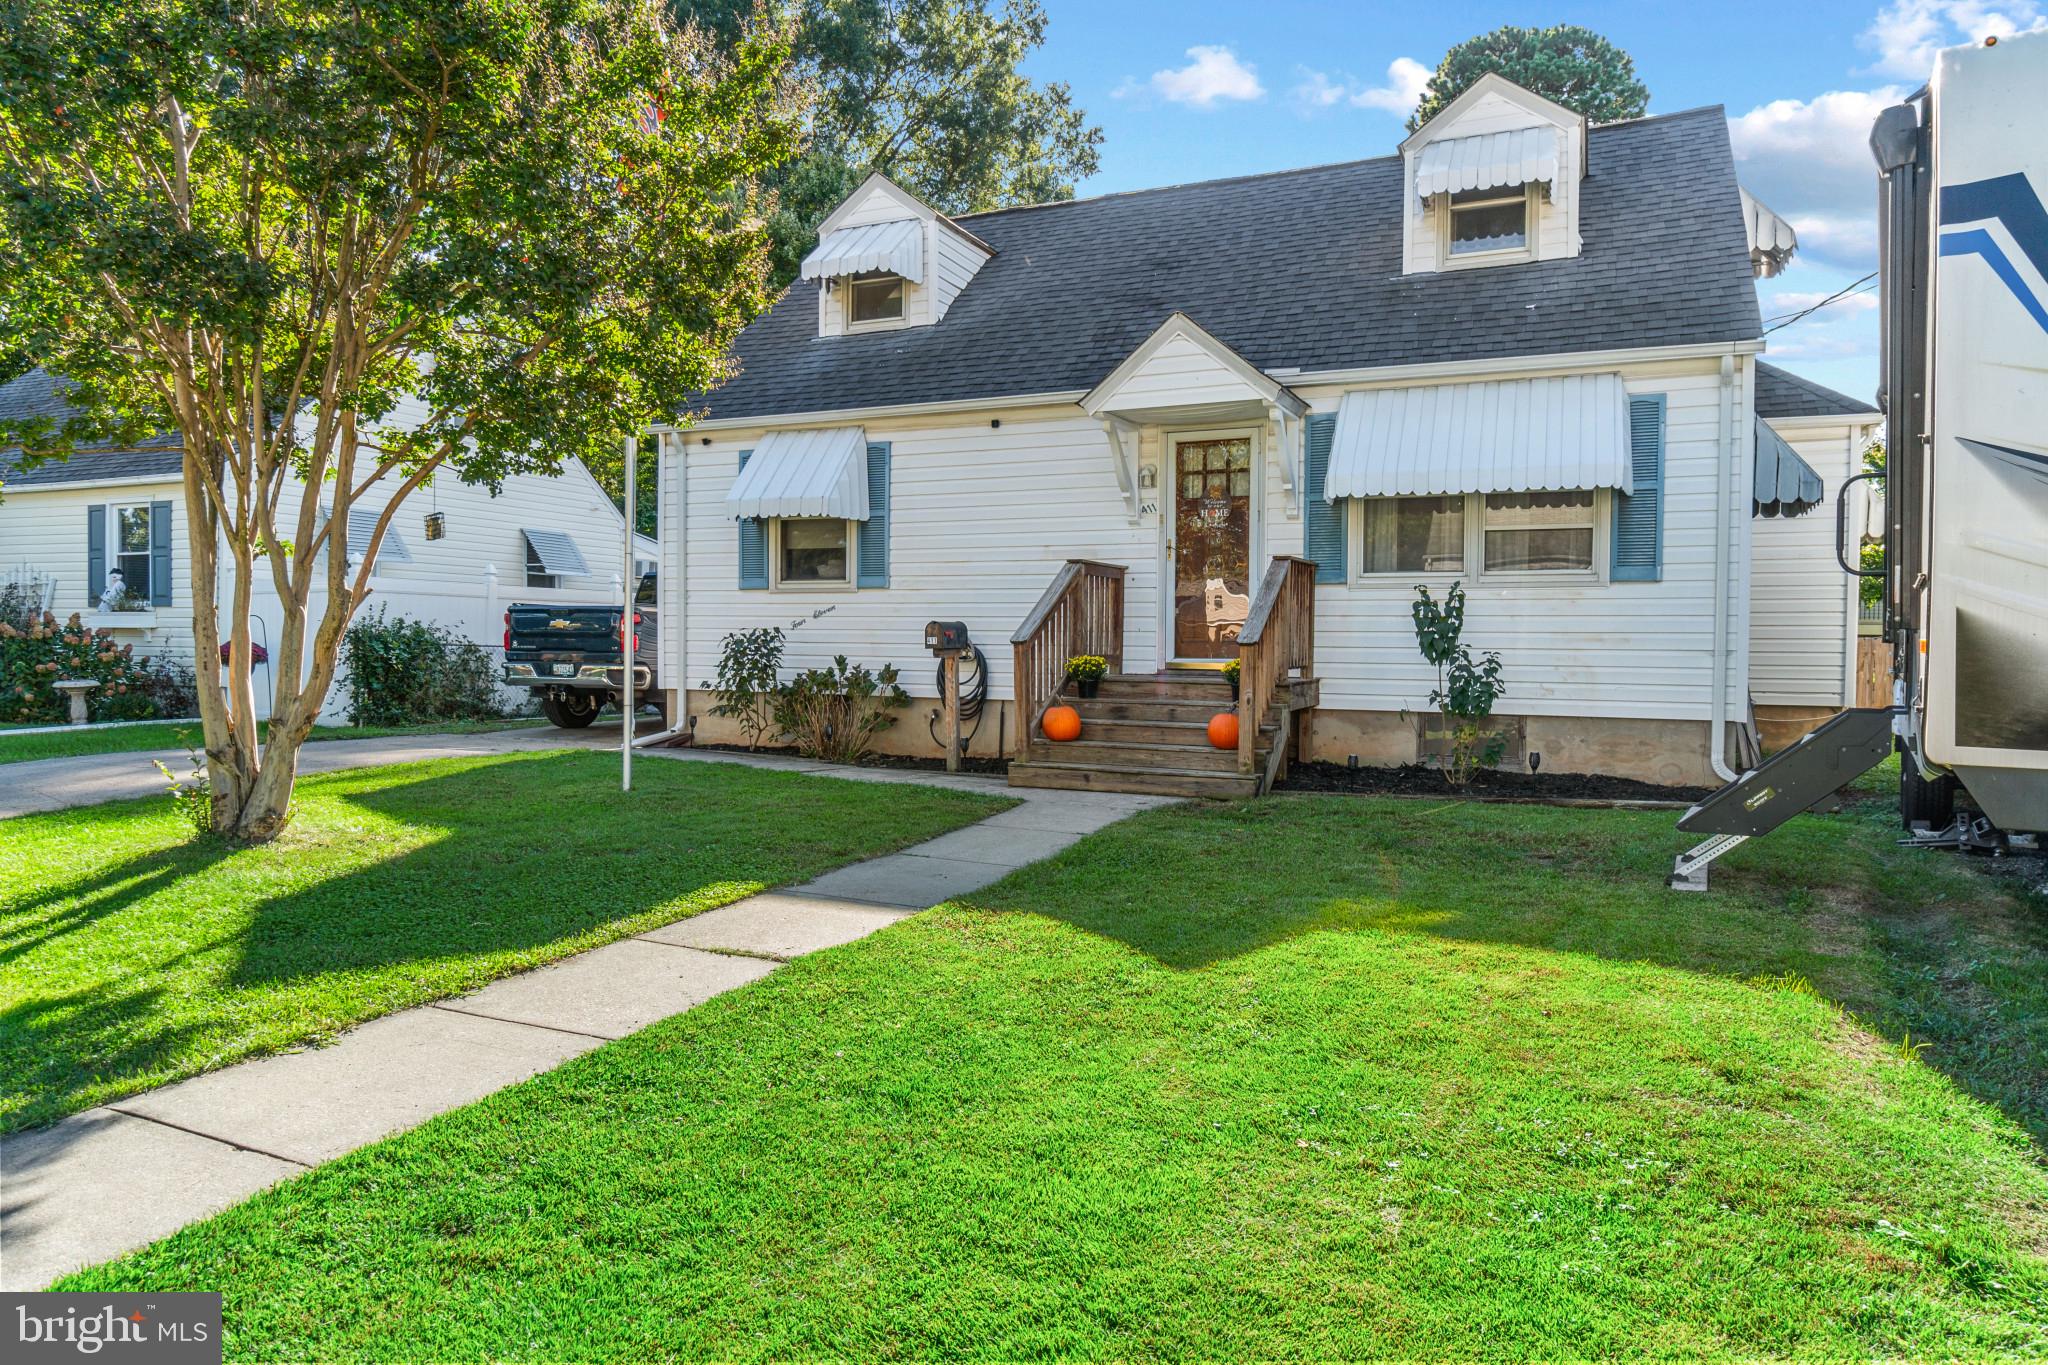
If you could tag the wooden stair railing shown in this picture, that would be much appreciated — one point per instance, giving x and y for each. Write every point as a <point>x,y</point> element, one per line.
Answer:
<point>1279,637</point>
<point>1080,612</point>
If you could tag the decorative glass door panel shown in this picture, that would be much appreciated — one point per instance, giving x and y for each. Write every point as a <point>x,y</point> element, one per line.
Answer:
<point>1212,546</point>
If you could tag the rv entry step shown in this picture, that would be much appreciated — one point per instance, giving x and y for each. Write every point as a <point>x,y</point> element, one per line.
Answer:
<point>1790,781</point>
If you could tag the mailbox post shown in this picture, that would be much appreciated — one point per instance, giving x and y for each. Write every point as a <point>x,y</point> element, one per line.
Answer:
<point>948,640</point>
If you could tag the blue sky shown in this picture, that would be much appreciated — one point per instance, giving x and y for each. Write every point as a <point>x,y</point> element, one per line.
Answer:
<point>1194,90</point>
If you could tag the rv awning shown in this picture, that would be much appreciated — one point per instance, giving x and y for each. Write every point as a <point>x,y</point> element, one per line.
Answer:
<point>1499,436</point>
<point>1786,485</point>
<point>1487,161</point>
<point>362,524</point>
<point>822,473</point>
<point>556,552</point>
<point>897,247</point>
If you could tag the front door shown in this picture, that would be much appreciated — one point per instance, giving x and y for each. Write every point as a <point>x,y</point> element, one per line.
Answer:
<point>1211,554</point>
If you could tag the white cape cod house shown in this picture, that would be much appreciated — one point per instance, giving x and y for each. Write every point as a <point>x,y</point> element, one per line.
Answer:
<point>1244,420</point>
<point>455,555</point>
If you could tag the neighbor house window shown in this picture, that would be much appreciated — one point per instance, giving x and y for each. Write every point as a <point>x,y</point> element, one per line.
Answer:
<point>537,575</point>
<point>877,298</point>
<point>131,548</point>
<point>811,550</point>
<point>1489,220</point>
<point>1414,535</point>
<point>1539,531</point>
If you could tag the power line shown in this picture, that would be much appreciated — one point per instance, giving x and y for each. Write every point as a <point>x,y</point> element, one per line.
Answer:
<point>1784,320</point>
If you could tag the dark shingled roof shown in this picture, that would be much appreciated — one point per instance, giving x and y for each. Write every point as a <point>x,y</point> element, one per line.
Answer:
<point>1295,268</point>
<point>1781,393</point>
<point>41,394</point>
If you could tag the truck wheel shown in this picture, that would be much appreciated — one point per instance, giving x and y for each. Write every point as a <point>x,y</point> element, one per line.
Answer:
<point>1929,801</point>
<point>569,712</point>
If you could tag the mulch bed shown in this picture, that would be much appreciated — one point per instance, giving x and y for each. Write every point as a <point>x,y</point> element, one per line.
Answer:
<point>969,763</point>
<point>1415,779</point>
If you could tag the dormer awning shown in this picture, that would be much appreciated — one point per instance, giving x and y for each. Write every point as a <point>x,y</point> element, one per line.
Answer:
<point>896,247</point>
<point>1771,239</point>
<point>816,473</point>
<point>1786,485</point>
<point>1488,161</point>
<point>1494,436</point>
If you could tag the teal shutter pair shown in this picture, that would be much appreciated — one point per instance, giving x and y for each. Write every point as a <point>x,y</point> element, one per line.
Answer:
<point>96,531</point>
<point>1324,525</point>
<point>871,553</point>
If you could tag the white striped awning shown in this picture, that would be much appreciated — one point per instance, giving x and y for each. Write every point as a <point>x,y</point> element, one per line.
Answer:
<point>1497,436</point>
<point>1772,242</point>
<point>897,247</point>
<point>1488,161</point>
<point>556,552</point>
<point>822,473</point>
<point>1786,485</point>
<point>362,524</point>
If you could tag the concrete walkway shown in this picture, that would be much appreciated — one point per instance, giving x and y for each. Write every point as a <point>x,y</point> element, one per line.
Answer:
<point>42,784</point>
<point>120,1176</point>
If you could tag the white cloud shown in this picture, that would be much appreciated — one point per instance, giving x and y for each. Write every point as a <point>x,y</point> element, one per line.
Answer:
<point>1212,75</point>
<point>1907,33</point>
<point>1810,161</point>
<point>1402,91</point>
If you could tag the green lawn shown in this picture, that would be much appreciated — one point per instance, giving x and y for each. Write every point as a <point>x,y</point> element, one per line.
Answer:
<point>184,734</point>
<point>1308,1077</point>
<point>132,954</point>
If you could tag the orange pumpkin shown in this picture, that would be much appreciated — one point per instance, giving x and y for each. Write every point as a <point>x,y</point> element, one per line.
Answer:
<point>1061,724</point>
<point>1223,729</point>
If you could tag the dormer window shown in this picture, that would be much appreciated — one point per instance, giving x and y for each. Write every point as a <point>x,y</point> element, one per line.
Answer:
<point>875,298</point>
<point>1489,220</point>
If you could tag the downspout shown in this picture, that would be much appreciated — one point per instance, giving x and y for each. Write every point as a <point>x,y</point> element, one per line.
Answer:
<point>1717,737</point>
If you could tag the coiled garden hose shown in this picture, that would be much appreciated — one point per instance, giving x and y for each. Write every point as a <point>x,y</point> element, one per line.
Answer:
<point>973,694</point>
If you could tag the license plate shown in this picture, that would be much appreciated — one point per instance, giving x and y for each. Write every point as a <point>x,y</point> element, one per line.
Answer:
<point>565,670</point>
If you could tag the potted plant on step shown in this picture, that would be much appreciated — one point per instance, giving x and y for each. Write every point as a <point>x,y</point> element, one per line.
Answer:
<point>1085,672</point>
<point>1233,673</point>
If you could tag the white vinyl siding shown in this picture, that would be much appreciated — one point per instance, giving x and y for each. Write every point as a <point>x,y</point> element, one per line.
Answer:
<point>1802,606</point>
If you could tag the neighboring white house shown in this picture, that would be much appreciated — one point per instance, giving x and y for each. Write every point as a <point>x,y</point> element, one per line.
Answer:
<point>1803,607</point>
<point>1519,354</point>
<point>455,554</point>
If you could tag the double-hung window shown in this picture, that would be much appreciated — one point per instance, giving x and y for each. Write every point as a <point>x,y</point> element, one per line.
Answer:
<point>1539,531</point>
<point>1414,535</point>
<point>813,551</point>
<point>131,537</point>
<point>537,575</point>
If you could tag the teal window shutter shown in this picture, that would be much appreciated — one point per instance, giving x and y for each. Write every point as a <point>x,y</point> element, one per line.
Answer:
<point>753,545</point>
<point>1323,523</point>
<point>874,532</point>
<point>160,554</point>
<point>1639,516</point>
<point>95,553</point>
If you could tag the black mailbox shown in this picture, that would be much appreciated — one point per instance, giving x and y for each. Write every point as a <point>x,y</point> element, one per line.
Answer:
<point>945,637</point>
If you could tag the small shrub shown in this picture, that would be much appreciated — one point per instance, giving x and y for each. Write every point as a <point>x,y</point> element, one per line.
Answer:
<point>1465,690</point>
<point>835,713</point>
<point>34,657</point>
<point>192,796</point>
<point>169,685</point>
<point>749,663</point>
<point>405,672</point>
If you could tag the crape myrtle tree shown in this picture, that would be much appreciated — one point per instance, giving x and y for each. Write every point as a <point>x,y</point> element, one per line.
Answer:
<point>1573,66</point>
<point>264,223</point>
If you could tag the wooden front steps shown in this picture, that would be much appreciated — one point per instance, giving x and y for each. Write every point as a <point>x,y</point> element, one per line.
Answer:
<point>1147,734</point>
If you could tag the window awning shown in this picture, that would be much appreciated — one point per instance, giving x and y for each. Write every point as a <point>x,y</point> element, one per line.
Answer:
<point>1786,485</point>
<point>362,524</point>
<point>897,247</point>
<point>1497,436</point>
<point>556,552</point>
<point>821,473</point>
<point>1487,161</point>
<point>1772,242</point>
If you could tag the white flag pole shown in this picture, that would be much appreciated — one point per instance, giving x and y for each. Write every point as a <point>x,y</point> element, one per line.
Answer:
<point>628,632</point>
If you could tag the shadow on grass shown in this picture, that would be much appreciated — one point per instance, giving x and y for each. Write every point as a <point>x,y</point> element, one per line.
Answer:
<point>72,906</point>
<point>1918,946</point>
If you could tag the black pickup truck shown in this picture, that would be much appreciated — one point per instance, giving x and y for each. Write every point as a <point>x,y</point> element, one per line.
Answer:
<point>569,656</point>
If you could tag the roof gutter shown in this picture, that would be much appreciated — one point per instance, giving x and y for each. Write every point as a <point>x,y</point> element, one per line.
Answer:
<point>15,490</point>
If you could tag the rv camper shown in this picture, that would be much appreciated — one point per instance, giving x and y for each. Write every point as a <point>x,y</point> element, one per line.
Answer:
<point>1963,175</point>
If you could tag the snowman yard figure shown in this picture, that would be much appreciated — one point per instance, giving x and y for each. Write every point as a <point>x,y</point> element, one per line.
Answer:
<point>113,598</point>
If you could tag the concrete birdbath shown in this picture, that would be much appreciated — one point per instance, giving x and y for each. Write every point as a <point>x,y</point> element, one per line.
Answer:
<point>74,690</point>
